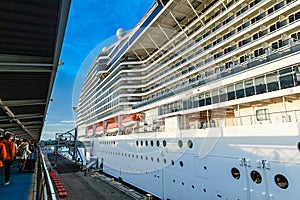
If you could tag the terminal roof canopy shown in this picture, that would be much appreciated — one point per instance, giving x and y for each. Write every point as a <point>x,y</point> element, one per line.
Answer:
<point>31,37</point>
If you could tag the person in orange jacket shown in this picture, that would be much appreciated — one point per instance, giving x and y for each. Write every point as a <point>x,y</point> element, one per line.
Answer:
<point>10,154</point>
<point>2,153</point>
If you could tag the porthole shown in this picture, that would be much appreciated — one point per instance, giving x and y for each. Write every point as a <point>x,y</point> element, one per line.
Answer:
<point>298,146</point>
<point>190,144</point>
<point>235,173</point>
<point>151,158</point>
<point>181,164</point>
<point>173,180</point>
<point>146,157</point>
<point>172,162</point>
<point>164,143</point>
<point>142,157</point>
<point>125,154</point>
<point>151,143</point>
<point>204,190</point>
<point>137,156</point>
<point>180,143</point>
<point>281,181</point>
<point>165,161</point>
<point>157,160</point>
<point>193,186</point>
<point>137,143</point>
<point>157,143</point>
<point>182,183</point>
<point>141,142</point>
<point>256,177</point>
<point>146,143</point>
<point>205,167</point>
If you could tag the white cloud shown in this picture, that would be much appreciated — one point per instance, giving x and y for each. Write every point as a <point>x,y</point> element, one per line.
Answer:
<point>68,121</point>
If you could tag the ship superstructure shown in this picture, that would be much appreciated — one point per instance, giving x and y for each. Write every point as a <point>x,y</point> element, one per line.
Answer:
<point>200,101</point>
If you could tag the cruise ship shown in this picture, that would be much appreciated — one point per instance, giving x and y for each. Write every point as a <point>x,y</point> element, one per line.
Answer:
<point>200,100</point>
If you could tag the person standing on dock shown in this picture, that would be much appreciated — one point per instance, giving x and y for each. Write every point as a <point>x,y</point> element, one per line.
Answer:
<point>10,153</point>
<point>22,154</point>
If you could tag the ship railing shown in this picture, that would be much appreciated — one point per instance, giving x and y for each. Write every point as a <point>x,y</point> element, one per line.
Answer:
<point>262,117</point>
<point>44,189</point>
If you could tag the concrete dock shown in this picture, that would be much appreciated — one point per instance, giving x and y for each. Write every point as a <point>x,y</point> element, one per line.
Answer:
<point>90,185</point>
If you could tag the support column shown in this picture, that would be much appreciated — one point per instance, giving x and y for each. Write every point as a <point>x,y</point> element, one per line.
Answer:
<point>207,118</point>
<point>239,115</point>
<point>285,116</point>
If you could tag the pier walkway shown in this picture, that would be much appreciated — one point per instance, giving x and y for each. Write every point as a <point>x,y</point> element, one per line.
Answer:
<point>79,185</point>
<point>91,186</point>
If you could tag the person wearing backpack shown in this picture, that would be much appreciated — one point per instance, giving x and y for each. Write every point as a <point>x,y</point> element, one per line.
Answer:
<point>10,153</point>
<point>22,154</point>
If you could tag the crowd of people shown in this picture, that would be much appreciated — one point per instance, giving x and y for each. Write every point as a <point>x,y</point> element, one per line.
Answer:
<point>12,149</point>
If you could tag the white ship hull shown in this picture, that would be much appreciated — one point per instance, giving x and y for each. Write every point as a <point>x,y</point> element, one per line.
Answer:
<point>216,89</point>
<point>206,167</point>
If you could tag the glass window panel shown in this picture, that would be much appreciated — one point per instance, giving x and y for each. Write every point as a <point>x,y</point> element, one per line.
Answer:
<point>249,83</point>
<point>215,96</point>
<point>239,86</point>
<point>286,81</point>
<point>260,80</point>
<point>223,95</point>
<point>201,100</point>
<point>262,114</point>
<point>260,85</point>
<point>207,98</point>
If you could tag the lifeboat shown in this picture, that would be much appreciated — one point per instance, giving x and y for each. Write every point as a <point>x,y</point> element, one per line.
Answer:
<point>112,127</point>
<point>131,120</point>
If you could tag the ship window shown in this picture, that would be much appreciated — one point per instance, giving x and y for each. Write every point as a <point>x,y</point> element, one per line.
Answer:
<point>165,161</point>
<point>272,82</point>
<point>230,92</point>
<point>207,98</point>
<point>172,162</point>
<point>141,143</point>
<point>190,144</point>
<point>181,164</point>
<point>239,90</point>
<point>157,160</point>
<point>151,158</point>
<point>235,173</point>
<point>286,78</point>
<point>215,96</point>
<point>146,157</point>
<point>262,114</point>
<point>260,85</point>
<point>180,143</point>
<point>249,88</point>
<point>151,143</point>
<point>281,181</point>
<point>137,143</point>
<point>142,157</point>
<point>157,143</point>
<point>201,100</point>
<point>164,143</point>
<point>297,75</point>
<point>256,177</point>
<point>146,143</point>
<point>223,95</point>
<point>299,146</point>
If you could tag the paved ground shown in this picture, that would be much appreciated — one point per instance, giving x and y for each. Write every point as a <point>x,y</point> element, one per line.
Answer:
<point>93,186</point>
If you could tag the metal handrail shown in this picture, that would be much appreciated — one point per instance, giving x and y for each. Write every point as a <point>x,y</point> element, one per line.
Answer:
<point>44,189</point>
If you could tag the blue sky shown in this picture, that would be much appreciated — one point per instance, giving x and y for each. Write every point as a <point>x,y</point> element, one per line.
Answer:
<point>90,23</point>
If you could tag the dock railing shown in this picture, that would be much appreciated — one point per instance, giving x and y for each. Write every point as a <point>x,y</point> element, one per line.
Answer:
<point>43,188</point>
